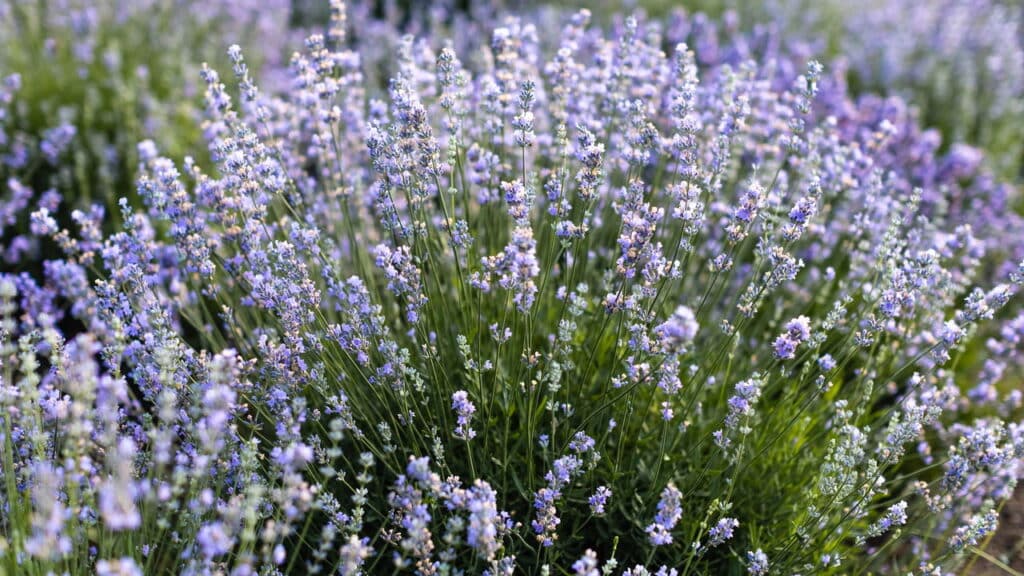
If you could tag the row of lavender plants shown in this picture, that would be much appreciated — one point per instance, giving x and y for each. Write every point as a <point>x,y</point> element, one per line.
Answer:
<point>573,299</point>
<point>960,62</point>
<point>84,81</point>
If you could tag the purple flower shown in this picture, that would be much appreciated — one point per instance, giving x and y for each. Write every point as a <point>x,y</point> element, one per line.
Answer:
<point>56,141</point>
<point>974,531</point>
<point>118,493</point>
<point>896,515</point>
<point>403,278</point>
<point>586,565</point>
<point>722,531</point>
<point>561,475</point>
<point>43,224</point>
<point>598,500</point>
<point>486,523</point>
<point>214,540</point>
<point>523,122</point>
<point>797,332</point>
<point>516,267</point>
<point>354,553</point>
<point>464,410</point>
<point>669,512</point>
<point>678,331</point>
<point>741,407</point>
<point>757,563</point>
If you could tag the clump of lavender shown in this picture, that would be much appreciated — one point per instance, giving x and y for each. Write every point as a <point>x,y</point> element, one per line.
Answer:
<point>514,313</point>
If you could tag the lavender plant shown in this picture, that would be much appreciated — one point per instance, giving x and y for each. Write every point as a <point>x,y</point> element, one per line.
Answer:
<point>612,310</point>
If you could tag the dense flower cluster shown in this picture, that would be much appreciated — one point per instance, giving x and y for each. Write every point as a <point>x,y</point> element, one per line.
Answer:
<point>629,300</point>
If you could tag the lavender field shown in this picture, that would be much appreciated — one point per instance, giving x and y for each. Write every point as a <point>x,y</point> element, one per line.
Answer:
<point>473,288</point>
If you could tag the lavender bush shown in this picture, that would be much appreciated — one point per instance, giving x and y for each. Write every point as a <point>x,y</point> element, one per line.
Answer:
<point>594,309</point>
